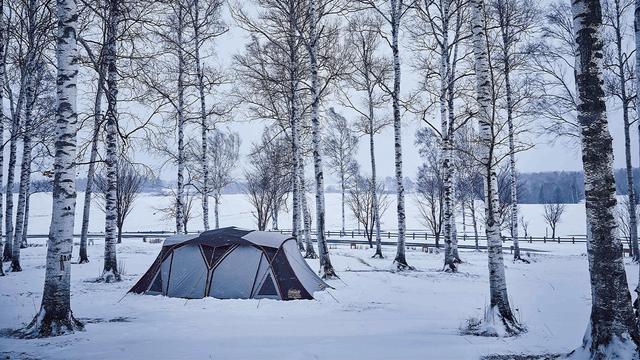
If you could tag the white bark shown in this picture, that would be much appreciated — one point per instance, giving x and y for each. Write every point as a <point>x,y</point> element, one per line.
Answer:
<point>25,167</point>
<point>55,316</point>
<point>374,184</point>
<point>636,23</point>
<point>294,120</point>
<point>612,322</point>
<point>203,123</point>
<point>396,8</point>
<point>181,121</point>
<point>310,252</point>
<point>499,300</point>
<point>447,149</point>
<point>2,74</point>
<point>110,270</point>
<point>91,172</point>
<point>323,252</point>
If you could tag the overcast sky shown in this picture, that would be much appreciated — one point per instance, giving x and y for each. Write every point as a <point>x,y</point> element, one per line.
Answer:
<point>544,156</point>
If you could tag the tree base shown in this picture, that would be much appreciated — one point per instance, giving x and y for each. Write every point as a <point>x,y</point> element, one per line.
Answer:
<point>83,261</point>
<point>493,325</point>
<point>329,273</point>
<point>450,267</point>
<point>45,325</point>
<point>377,255</point>
<point>15,266</point>
<point>518,258</point>
<point>109,277</point>
<point>623,348</point>
<point>310,255</point>
<point>401,265</point>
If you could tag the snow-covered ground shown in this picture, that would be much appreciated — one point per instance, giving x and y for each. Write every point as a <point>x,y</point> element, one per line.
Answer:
<point>371,314</point>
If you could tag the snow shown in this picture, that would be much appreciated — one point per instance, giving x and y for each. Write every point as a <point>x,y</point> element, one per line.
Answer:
<point>373,312</point>
<point>235,210</point>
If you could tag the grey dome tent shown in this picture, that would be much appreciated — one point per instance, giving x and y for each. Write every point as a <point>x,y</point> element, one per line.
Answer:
<point>230,263</point>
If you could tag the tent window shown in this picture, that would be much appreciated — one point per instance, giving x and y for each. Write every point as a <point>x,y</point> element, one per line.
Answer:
<point>268,288</point>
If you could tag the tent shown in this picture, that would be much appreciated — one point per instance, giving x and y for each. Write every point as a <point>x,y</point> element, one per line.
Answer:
<point>230,263</point>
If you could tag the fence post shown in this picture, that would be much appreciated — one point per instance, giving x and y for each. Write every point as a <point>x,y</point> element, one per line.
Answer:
<point>352,234</point>
<point>389,235</point>
<point>544,239</point>
<point>558,239</point>
<point>530,239</point>
<point>573,239</point>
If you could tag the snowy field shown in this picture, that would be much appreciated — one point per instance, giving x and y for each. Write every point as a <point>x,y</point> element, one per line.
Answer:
<point>371,314</point>
<point>235,210</point>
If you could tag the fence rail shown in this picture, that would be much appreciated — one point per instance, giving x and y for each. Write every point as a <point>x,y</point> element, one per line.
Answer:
<point>415,237</point>
<point>428,237</point>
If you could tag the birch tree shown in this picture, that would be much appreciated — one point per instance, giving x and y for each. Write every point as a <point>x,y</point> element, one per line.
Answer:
<point>393,13</point>
<point>516,20</point>
<point>340,147</point>
<point>55,316</point>
<point>499,319</point>
<point>224,153</point>
<point>612,331</point>
<point>3,35</point>
<point>430,185</point>
<point>636,23</point>
<point>31,39</point>
<point>110,271</point>
<point>206,24</point>
<point>619,84</point>
<point>369,73</point>
<point>440,57</point>
<point>272,69</point>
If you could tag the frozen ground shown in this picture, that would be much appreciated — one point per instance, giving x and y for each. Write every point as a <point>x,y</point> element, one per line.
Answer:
<point>371,313</point>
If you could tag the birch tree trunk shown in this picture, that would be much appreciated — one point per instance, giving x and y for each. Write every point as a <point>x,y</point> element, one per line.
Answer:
<point>294,119</point>
<point>25,174</point>
<point>325,261</point>
<point>274,216</point>
<point>633,218</point>
<point>181,122</point>
<point>513,176</point>
<point>310,252</point>
<point>449,260</point>
<point>55,316</point>
<point>25,167</point>
<point>2,74</point>
<point>612,331</point>
<point>374,183</point>
<point>25,227</point>
<point>400,259</point>
<point>203,124</point>
<point>15,132</point>
<point>8,220</point>
<point>88,192</point>
<point>499,308</point>
<point>110,271</point>
<point>342,189</point>
<point>216,210</point>
<point>636,24</point>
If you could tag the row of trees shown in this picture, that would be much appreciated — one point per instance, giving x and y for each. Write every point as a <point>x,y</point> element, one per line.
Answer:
<point>294,61</point>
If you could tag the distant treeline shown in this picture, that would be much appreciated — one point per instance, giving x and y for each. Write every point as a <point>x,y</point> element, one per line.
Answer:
<point>565,187</point>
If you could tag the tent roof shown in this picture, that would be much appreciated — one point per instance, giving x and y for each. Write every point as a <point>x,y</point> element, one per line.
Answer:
<point>230,236</point>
